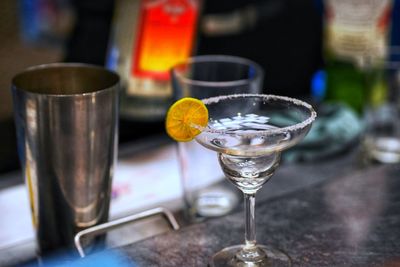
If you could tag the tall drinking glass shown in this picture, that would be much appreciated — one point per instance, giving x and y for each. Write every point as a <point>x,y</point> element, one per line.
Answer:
<point>249,132</point>
<point>382,111</point>
<point>206,194</point>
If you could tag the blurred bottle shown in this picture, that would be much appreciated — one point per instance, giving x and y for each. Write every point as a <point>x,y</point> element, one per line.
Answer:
<point>45,22</point>
<point>148,38</point>
<point>355,43</point>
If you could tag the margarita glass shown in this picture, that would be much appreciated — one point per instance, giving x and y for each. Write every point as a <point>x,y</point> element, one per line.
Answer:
<point>249,132</point>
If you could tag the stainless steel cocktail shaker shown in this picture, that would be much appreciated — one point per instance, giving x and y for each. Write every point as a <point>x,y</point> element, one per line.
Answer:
<point>66,117</point>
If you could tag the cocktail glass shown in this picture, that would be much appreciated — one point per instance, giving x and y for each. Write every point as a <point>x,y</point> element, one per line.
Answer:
<point>249,132</point>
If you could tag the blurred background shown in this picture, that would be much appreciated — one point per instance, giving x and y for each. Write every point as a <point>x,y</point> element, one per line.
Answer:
<point>288,38</point>
<point>284,36</point>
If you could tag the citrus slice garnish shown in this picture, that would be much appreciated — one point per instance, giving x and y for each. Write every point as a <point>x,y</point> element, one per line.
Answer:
<point>185,118</point>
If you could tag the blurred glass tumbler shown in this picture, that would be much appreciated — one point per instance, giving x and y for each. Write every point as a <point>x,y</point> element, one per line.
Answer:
<point>382,117</point>
<point>206,192</point>
<point>66,116</point>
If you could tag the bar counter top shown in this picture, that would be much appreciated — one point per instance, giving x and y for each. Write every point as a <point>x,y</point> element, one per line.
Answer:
<point>349,217</point>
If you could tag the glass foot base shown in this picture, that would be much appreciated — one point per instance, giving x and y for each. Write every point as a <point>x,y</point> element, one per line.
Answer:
<point>228,258</point>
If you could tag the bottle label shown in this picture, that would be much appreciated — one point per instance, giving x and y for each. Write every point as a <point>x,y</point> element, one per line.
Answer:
<point>357,29</point>
<point>164,37</point>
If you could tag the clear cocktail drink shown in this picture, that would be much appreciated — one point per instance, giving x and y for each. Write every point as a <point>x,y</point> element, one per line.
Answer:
<point>249,132</point>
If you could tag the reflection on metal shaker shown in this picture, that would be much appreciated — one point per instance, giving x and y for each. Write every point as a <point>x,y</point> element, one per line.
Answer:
<point>66,116</point>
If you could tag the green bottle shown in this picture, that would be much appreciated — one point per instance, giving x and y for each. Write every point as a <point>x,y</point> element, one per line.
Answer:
<point>345,83</point>
<point>355,44</point>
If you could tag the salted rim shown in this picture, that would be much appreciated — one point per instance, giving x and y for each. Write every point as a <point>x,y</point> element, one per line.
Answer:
<point>291,128</point>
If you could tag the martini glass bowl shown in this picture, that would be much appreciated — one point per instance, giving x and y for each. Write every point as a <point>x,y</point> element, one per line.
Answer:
<point>249,133</point>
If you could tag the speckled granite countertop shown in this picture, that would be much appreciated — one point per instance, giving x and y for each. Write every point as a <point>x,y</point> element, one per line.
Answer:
<point>327,213</point>
<point>347,220</point>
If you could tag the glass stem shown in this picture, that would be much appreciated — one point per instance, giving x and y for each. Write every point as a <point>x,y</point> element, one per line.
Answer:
<point>250,225</point>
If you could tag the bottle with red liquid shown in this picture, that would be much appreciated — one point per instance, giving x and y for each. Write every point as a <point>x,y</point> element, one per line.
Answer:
<point>148,38</point>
